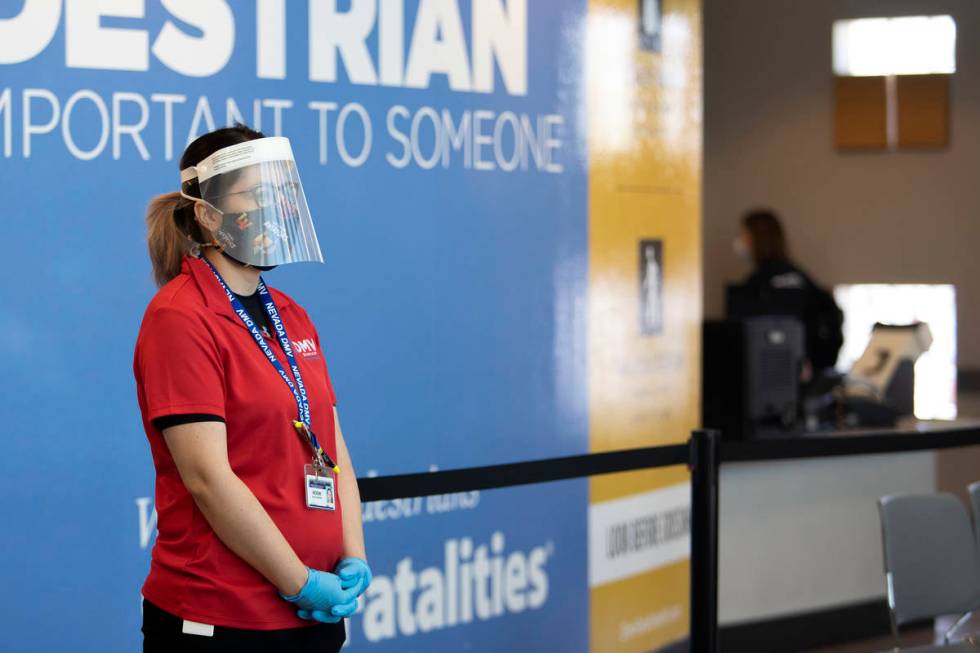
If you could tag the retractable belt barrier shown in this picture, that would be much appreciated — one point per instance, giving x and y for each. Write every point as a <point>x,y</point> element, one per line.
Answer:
<point>493,477</point>
<point>704,453</point>
<point>699,454</point>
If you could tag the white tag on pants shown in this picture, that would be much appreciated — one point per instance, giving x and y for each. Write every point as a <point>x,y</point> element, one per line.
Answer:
<point>195,628</point>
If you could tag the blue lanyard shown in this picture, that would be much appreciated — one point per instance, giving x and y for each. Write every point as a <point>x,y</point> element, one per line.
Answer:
<point>298,389</point>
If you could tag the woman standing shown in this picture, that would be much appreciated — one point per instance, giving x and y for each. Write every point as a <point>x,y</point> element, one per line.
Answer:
<point>778,286</point>
<point>260,544</point>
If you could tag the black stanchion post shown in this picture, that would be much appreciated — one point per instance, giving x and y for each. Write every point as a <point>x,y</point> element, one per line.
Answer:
<point>704,541</point>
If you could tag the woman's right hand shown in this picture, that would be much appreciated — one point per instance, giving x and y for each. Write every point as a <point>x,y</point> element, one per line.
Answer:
<point>323,598</point>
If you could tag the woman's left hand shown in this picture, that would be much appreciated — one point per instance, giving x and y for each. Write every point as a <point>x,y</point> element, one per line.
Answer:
<point>354,573</point>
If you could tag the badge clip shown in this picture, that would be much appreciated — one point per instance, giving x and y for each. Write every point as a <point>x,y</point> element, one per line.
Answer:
<point>319,455</point>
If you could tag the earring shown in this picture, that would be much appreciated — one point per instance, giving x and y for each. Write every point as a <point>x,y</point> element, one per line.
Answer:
<point>214,243</point>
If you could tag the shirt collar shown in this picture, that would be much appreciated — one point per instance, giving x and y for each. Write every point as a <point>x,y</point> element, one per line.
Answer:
<point>214,295</point>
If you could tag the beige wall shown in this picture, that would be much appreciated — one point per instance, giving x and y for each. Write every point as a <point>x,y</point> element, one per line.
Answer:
<point>898,217</point>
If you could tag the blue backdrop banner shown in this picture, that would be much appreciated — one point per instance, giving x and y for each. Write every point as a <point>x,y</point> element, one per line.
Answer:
<point>442,146</point>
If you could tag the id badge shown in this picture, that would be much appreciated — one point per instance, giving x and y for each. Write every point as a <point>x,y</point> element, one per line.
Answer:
<point>319,489</point>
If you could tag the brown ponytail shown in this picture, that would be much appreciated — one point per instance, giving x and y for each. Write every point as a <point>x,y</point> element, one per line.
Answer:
<point>171,228</point>
<point>165,238</point>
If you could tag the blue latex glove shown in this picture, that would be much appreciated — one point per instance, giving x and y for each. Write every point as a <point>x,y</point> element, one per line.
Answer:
<point>318,615</point>
<point>323,598</point>
<point>336,613</point>
<point>354,573</point>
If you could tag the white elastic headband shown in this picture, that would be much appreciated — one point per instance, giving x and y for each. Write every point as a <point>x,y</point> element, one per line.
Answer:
<point>261,150</point>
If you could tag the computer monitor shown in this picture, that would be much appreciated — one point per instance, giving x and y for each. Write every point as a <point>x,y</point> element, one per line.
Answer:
<point>751,375</point>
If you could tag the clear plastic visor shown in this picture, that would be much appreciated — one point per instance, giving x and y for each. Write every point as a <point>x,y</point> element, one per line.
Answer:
<point>265,218</point>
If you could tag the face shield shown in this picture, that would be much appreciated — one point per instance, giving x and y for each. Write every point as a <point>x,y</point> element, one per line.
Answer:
<point>265,220</point>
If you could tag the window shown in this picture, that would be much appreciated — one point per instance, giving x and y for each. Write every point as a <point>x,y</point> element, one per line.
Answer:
<point>911,45</point>
<point>891,82</point>
<point>935,371</point>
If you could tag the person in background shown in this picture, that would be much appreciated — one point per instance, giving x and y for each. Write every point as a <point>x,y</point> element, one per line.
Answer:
<point>777,286</point>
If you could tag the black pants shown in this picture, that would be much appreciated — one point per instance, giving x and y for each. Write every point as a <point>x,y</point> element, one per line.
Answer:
<point>162,633</point>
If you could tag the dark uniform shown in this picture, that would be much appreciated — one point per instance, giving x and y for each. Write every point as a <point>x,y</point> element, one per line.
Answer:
<point>778,287</point>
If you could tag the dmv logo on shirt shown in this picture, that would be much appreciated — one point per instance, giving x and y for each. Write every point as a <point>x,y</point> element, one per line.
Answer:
<point>306,347</point>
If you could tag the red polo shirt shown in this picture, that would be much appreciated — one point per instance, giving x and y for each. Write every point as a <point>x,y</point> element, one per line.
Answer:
<point>195,355</point>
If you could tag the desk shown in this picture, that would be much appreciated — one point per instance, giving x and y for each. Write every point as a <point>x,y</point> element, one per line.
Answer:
<point>798,520</point>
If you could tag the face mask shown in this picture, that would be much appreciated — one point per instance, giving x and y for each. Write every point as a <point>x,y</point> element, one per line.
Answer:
<point>741,249</point>
<point>252,238</point>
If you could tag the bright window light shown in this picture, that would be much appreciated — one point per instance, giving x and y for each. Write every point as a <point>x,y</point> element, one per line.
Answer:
<point>935,371</point>
<point>910,45</point>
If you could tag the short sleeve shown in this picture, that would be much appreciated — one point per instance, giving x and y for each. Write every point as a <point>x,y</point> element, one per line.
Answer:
<point>178,365</point>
